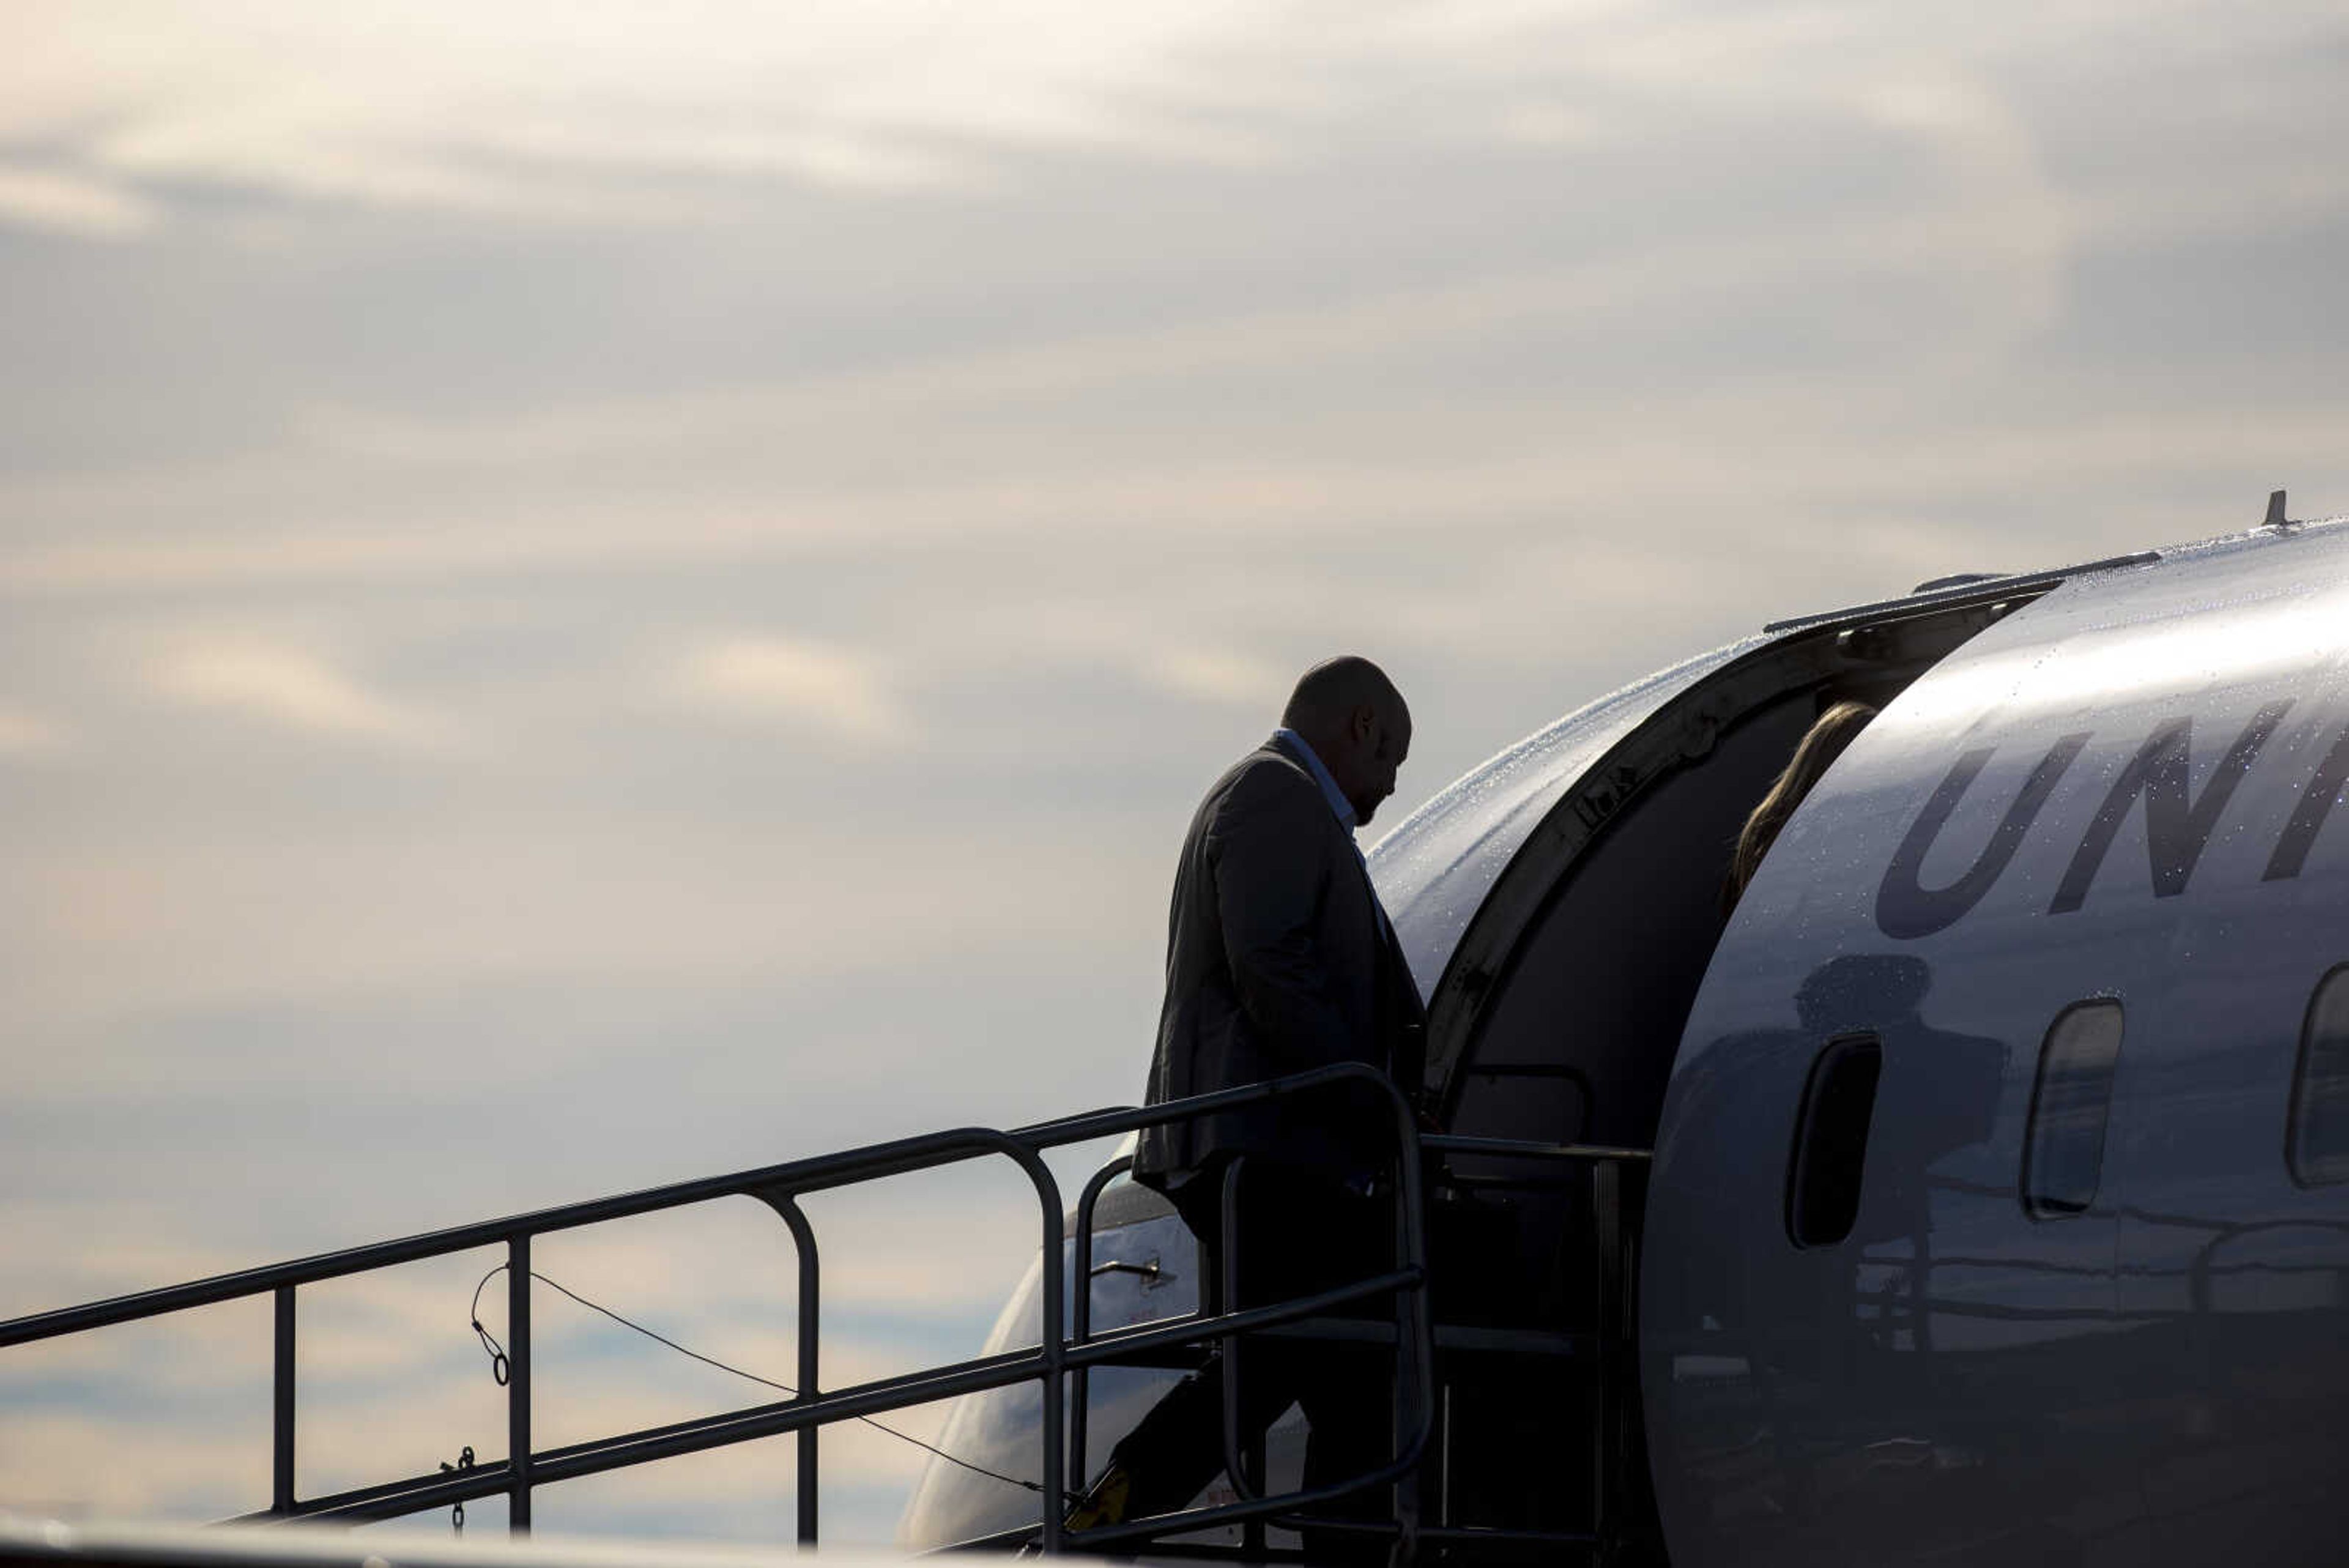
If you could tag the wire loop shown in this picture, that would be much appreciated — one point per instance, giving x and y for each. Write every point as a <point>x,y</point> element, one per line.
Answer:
<point>500,1369</point>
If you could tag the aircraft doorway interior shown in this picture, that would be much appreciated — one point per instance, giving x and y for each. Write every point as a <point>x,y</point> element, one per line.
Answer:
<point>1559,1016</point>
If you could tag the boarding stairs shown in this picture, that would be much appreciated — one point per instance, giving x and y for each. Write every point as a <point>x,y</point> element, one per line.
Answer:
<point>1423,1518</point>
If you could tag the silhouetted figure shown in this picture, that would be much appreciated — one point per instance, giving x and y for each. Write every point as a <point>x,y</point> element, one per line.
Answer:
<point>1830,734</point>
<point>1279,959</point>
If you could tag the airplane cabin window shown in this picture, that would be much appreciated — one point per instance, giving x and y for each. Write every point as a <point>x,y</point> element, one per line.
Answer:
<point>1830,1153</point>
<point>2065,1146</point>
<point>2318,1146</point>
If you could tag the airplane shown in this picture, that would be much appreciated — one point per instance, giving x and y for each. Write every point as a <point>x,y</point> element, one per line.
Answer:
<point>1998,1204</point>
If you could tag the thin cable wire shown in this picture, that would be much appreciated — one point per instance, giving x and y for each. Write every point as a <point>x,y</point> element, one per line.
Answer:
<point>498,1354</point>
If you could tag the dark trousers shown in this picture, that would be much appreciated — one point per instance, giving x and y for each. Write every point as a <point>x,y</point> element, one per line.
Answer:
<point>1299,1233</point>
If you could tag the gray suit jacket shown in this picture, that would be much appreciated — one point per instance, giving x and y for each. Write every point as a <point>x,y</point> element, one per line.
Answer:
<point>1277,962</point>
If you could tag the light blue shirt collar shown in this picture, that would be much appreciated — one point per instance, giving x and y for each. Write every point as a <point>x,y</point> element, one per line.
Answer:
<point>1321,771</point>
<point>1344,810</point>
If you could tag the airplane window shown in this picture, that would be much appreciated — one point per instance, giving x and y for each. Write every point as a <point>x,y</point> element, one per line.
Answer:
<point>1831,1142</point>
<point>2068,1105</point>
<point>2318,1147</point>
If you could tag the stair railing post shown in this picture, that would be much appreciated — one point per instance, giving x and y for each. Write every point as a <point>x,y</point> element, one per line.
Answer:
<point>518,1453</point>
<point>1237,1459</point>
<point>1408,1393</point>
<point>1080,1318</point>
<point>1414,1324</point>
<point>1606,1223</point>
<point>1053,1342</point>
<point>281,1488</point>
<point>805,1488</point>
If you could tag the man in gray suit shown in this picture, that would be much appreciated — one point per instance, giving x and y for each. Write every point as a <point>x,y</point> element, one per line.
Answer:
<point>1279,959</point>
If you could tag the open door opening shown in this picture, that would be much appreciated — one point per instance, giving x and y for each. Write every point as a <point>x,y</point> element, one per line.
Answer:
<point>1560,1013</point>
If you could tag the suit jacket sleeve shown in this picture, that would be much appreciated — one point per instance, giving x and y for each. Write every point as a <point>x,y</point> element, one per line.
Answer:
<point>1271,856</point>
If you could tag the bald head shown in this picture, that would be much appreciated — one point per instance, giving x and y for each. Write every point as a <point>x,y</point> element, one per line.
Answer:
<point>1335,688</point>
<point>1354,718</point>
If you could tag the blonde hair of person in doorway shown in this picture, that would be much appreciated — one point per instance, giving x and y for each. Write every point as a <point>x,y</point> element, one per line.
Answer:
<point>1830,733</point>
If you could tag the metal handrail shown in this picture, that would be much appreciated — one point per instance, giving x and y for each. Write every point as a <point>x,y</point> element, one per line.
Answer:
<point>1612,1281</point>
<point>780,1186</point>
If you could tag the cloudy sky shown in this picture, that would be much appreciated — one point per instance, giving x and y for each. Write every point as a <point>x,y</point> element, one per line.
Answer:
<point>596,593</point>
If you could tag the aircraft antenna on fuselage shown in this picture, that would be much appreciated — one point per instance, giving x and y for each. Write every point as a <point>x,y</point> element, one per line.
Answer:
<point>2275,517</point>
